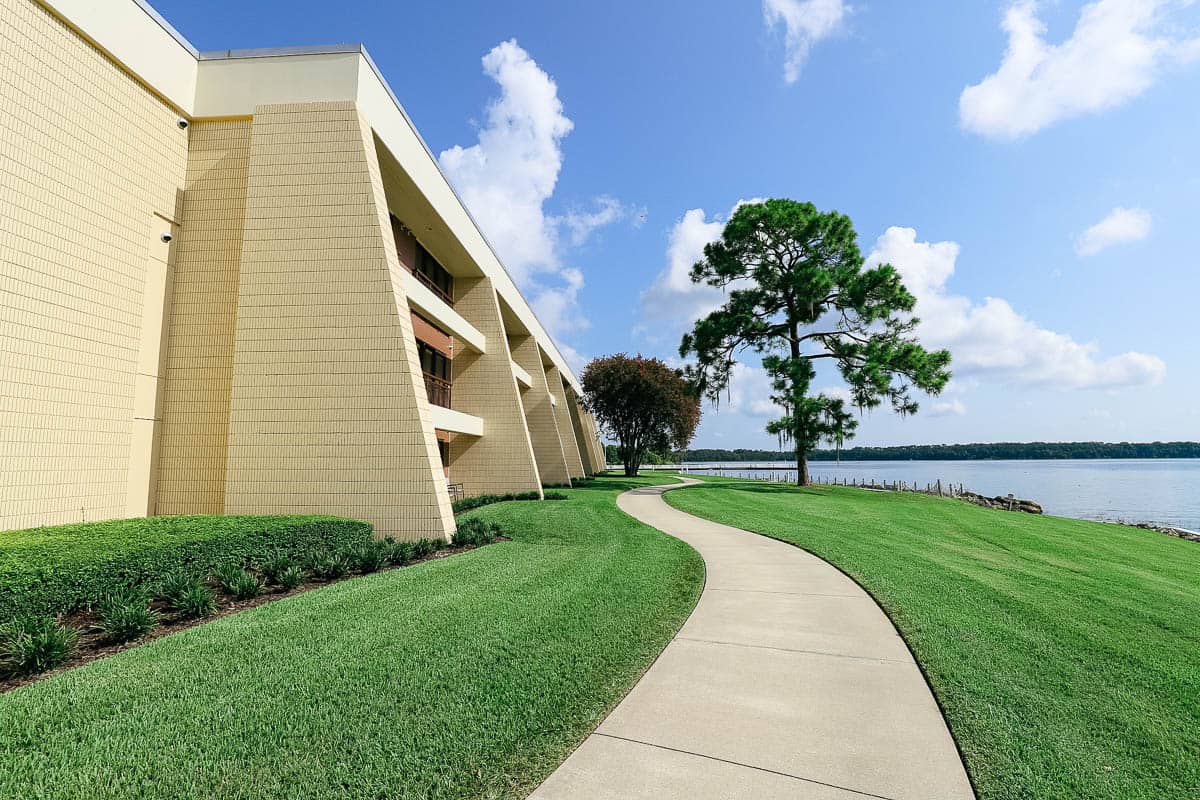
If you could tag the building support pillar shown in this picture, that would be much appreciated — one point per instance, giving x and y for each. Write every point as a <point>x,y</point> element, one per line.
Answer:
<point>502,460</point>
<point>539,413</point>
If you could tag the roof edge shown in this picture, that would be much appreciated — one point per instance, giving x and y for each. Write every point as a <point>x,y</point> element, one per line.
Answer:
<point>166,26</point>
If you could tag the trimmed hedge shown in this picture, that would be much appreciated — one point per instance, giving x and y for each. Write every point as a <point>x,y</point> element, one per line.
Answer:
<point>475,501</point>
<point>62,568</point>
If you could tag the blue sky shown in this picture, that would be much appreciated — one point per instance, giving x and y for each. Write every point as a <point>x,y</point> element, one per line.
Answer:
<point>1031,168</point>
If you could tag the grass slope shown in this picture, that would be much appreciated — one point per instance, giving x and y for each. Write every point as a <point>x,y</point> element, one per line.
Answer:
<point>1065,653</point>
<point>472,676</point>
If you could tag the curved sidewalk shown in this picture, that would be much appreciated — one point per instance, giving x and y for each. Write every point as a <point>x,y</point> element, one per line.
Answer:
<point>787,681</point>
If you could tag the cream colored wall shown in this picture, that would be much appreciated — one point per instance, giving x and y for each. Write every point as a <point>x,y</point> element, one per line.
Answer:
<point>142,43</point>
<point>328,412</point>
<point>199,359</point>
<point>562,417</point>
<point>502,459</point>
<point>539,413</point>
<point>88,157</point>
<point>586,454</point>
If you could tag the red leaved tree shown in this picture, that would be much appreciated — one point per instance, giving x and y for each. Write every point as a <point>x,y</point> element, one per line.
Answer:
<point>642,403</point>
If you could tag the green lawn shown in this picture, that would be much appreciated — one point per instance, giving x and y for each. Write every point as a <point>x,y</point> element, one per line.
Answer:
<point>1066,653</point>
<point>472,676</point>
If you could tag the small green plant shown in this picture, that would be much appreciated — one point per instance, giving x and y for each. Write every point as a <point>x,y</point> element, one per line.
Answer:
<point>555,495</point>
<point>34,643</point>
<point>274,566</point>
<point>125,615</point>
<point>227,575</point>
<point>245,586</point>
<point>328,566</point>
<point>400,553</point>
<point>290,578</point>
<point>370,556</point>
<point>474,532</point>
<point>475,501</point>
<point>175,584</point>
<point>422,548</point>
<point>195,601</point>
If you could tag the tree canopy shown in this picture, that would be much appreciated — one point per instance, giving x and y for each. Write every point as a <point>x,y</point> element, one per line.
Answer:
<point>641,403</point>
<point>798,293</point>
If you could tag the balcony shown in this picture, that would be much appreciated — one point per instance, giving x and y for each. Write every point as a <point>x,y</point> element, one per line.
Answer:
<point>437,389</point>
<point>432,285</point>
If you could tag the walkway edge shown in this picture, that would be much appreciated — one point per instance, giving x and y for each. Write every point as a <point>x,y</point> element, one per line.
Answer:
<point>836,701</point>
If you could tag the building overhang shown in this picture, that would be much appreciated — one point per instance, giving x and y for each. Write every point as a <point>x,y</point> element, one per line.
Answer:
<point>232,83</point>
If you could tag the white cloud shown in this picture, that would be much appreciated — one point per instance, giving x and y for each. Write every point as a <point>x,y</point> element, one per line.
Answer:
<point>557,307</point>
<point>805,22</point>
<point>837,393</point>
<point>947,408</point>
<point>990,339</point>
<point>575,359</point>
<point>750,392</point>
<point>507,177</point>
<point>1116,52</point>
<point>607,210</point>
<point>1122,225</point>
<point>673,301</point>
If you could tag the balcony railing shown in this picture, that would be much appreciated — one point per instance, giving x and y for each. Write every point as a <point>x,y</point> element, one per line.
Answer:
<point>432,286</point>
<point>437,389</point>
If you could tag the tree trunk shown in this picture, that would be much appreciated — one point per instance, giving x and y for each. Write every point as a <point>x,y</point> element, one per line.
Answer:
<point>801,467</point>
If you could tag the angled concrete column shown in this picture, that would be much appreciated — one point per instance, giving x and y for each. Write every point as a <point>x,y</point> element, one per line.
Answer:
<point>328,412</point>
<point>594,432</point>
<point>502,459</point>
<point>199,358</point>
<point>587,455</point>
<point>539,413</point>
<point>562,416</point>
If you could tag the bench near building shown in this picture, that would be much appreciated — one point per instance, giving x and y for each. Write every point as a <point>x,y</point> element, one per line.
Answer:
<point>238,282</point>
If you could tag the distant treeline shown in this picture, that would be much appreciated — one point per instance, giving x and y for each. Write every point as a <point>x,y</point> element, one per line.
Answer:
<point>967,452</point>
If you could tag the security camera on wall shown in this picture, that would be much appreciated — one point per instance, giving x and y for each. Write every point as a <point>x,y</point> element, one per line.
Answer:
<point>182,123</point>
<point>166,237</point>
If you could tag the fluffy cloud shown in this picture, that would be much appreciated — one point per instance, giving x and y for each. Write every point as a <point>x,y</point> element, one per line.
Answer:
<point>750,392</point>
<point>507,177</point>
<point>947,408</point>
<point>990,339</point>
<point>673,302</point>
<point>1120,226</point>
<point>1116,52</point>
<point>805,22</point>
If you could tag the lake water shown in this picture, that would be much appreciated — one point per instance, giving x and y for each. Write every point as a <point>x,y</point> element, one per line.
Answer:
<point>1166,491</point>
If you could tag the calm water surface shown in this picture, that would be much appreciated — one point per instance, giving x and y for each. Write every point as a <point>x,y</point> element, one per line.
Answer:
<point>1130,490</point>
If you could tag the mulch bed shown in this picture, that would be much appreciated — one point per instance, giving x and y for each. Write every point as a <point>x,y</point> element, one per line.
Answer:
<point>94,645</point>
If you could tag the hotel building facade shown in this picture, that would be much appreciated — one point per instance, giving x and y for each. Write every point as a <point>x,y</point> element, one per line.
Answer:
<point>239,283</point>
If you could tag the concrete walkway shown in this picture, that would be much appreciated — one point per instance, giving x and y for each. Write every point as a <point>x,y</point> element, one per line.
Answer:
<point>787,681</point>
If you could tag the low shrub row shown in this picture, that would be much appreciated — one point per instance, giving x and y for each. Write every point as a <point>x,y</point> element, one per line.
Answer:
<point>34,642</point>
<point>476,501</point>
<point>57,570</point>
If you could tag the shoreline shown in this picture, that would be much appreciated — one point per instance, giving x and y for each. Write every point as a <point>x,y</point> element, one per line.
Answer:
<point>1013,503</point>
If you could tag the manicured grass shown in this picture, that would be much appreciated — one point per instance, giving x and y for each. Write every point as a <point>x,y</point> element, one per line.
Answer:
<point>470,676</point>
<point>1066,654</point>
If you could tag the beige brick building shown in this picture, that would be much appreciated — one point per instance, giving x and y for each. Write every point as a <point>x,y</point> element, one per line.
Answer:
<point>238,282</point>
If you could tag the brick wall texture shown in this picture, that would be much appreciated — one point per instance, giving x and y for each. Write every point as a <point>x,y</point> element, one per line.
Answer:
<point>566,429</point>
<point>199,358</point>
<point>327,411</point>
<point>502,459</point>
<point>539,413</point>
<point>88,157</point>
<point>263,361</point>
